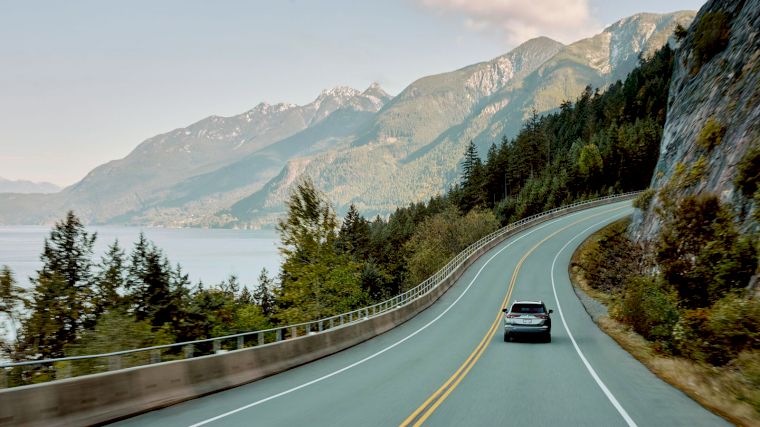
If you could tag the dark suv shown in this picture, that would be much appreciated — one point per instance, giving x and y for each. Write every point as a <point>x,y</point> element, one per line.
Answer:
<point>528,318</point>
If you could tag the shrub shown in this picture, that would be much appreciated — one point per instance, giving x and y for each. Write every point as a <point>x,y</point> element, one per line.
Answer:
<point>734,326</point>
<point>680,32</point>
<point>690,335</point>
<point>711,134</point>
<point>697,171</point>
<point>611,259</point>
<point>748,171</point>
<point>721,333</point>
<point>711,36</point>
<point>649,308</point>
<point>700,252</point>
<point>644,199</point>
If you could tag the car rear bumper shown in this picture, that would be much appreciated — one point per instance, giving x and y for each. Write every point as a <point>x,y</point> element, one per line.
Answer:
<point>519,329</point>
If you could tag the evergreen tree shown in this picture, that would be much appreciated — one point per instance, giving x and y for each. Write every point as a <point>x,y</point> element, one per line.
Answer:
<point>245,297</point>
<point>110,280</point>
<point>470,163</point>
<point>60,303</point>
<point>12,299</point>
<point>317,280</point>
<point>156,292</point>
<point>231,286</point>
<point>353,237</point>
<point>263,295</point>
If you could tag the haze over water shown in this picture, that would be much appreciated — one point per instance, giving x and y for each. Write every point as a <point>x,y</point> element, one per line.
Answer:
<point>210,255</point>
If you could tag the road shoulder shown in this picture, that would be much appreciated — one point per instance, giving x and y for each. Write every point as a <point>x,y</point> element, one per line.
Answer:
<point>709,386</point>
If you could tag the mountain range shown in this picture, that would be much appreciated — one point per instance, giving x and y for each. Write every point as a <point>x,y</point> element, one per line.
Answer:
<point>23,186</point>
<point>362,147</point>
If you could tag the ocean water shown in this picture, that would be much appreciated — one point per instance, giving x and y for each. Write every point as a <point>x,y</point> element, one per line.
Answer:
<point>205,254</point>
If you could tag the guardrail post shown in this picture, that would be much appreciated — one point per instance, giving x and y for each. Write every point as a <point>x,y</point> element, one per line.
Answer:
<point>189,350</point>
<point>341,320</point>
<point>3,378</point>
<point>279,334</point>
<point>260,338</point>
<point>350,317</point>
<point>114,363</point>
<point>240,342</point>
<point>63,371</point>
<point>155,356</point>
<point>321,327</point>
<point>217,345</point>
<point>332,322</point>
<point>293,332</point>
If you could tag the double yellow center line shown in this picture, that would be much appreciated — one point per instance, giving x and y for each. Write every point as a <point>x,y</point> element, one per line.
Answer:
<point>424,411</point>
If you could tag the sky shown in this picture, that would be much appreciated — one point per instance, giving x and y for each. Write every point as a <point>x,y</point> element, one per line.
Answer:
<point>84,82</point>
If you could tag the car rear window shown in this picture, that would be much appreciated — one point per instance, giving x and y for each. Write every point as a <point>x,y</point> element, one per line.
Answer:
<point>527,308</point>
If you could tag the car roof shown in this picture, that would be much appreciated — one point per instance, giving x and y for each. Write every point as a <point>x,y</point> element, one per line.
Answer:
<point>527,302</point>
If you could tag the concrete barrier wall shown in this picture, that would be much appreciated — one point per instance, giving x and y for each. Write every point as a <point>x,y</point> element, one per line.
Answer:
<point>99,398</point>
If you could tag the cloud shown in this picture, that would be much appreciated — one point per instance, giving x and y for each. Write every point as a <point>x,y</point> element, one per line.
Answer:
<point>520,20</point>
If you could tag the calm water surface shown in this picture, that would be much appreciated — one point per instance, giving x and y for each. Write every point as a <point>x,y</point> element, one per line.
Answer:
<point>207,255</point>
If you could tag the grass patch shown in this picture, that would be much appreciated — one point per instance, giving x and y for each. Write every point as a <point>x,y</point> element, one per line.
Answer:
<point>731,391</point>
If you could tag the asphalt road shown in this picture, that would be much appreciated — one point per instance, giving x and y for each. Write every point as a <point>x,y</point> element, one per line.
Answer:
<point>450,366</point>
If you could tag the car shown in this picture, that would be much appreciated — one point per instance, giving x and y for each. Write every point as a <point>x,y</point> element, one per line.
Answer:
<point>527,318</point>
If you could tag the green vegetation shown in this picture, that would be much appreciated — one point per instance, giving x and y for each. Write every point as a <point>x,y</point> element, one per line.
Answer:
<point>600,144</point>
<point>603,143</point>
<point>319,278</point>
<point>711,35</point>
<point>702,264</point>
<point>649,307</point>
<point>440,237</point>
<point>685,296</point>
<point>711,134</point>
<point>78,306</point>
<point>748,172</point>
<point>644,200</point>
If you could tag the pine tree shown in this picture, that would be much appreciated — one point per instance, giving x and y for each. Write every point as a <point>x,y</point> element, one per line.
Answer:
<point>61,300</point>
<point>230,287</point>
<point>12,299</point>
<point>263,295</point>
<point>470,163</point>
<point>353,237</point>
<point>245,297</point>
<point>155,290</point>
<point>110,280</point>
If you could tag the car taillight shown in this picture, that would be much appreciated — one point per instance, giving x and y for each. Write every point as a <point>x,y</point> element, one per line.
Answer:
<point>512,315</point>
<point>540,316</point>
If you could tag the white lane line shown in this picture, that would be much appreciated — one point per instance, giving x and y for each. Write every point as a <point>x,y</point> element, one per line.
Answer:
<point>591,370</point>
<point>372,356</point>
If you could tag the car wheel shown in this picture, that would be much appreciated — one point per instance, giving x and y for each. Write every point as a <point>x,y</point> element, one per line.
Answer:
<point>548,338</point>
<point>506,337</point>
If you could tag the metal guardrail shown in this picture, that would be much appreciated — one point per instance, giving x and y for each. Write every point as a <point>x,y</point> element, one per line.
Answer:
<point>62,367</point>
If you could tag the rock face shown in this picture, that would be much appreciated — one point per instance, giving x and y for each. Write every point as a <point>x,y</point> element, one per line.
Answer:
<point>722,90</point>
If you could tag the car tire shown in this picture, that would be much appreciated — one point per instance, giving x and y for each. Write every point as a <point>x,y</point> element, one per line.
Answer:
<point>548,338</point>
<point>507,338</point>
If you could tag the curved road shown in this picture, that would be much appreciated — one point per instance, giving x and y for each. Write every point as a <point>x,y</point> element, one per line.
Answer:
<point>450,366</point>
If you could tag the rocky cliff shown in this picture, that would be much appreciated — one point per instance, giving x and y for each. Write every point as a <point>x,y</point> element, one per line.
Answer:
<point>713,117</point>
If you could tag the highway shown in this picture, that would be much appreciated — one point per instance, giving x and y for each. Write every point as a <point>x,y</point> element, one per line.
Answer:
<point>450,366</point>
